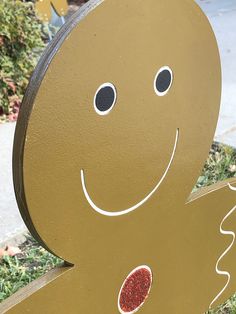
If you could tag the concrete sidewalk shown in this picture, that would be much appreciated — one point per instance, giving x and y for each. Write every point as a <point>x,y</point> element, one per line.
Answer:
<point>11,223</point>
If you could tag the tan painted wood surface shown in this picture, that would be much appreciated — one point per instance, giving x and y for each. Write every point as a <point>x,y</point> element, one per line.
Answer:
<point>123,156</point>
<point>44,8</point>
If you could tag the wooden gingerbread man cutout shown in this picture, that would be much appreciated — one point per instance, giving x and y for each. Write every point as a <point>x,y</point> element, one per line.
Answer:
<point>115,126</point>
<point>44,7</point>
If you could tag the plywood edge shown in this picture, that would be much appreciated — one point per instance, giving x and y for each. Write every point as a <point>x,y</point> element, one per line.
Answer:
<point>33,287</point>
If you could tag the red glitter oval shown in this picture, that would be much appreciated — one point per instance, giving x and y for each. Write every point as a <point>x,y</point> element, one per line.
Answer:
<point>135,290</point>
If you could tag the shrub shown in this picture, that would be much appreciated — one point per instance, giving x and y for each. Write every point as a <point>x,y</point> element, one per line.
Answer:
<point>21,44</point>
<point>220,165</point>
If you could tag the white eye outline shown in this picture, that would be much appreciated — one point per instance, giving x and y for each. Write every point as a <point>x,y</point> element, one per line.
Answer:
<point>156,76</point>
<point>103,113</point>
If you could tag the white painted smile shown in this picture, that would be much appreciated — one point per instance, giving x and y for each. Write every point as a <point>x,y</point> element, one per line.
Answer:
<point>144,200</point>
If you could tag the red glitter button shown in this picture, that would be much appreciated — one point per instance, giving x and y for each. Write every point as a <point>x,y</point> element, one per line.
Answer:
<point>135,290</point>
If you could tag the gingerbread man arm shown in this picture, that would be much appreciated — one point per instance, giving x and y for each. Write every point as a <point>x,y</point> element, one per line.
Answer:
<point>217,205</point>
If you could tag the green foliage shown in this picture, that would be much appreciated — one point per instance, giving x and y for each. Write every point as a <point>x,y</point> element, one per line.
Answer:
<point>21,44</point>
<point>229,307</point>
<point>18,271</point>
<point>220,165</point>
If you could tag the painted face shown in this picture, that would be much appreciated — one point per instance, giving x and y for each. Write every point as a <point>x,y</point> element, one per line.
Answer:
<point>121,104</point>
<point>115,126</point>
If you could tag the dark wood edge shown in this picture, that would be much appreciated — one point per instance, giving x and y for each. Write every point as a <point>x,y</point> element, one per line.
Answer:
<point>26,109</point>
<point>210,189</point>
<point>31,288</point>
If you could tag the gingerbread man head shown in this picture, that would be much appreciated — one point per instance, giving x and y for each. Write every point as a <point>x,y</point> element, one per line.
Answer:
<point>115,126</point>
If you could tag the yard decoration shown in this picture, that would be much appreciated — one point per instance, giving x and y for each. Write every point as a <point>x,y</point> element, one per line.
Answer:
<point>44,7</point>
<point>114,129</point>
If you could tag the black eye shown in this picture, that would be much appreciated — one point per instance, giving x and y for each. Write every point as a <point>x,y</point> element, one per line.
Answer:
<point>163,81</point>
<point>105,98</point>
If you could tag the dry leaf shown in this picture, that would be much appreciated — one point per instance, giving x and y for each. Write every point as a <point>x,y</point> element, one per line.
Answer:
<point>12,250</point>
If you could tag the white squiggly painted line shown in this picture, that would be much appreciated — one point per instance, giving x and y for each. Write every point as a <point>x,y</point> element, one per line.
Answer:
<point>128,210</point>
<point>225,232</point>
<point>231,187</point>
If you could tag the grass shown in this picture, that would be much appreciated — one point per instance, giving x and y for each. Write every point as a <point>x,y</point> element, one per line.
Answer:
<point>16,272</point>
<point>229,307</point>
<point>34,261</point>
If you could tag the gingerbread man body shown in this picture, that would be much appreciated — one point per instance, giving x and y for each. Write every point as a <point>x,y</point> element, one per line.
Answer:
<point>115,127</point>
